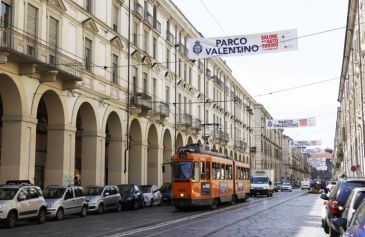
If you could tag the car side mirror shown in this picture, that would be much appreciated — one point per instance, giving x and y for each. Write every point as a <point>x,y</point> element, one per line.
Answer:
<point>324,196</point>
<point>106,194</point>
<point>341,222</point>
<point>270,183</point>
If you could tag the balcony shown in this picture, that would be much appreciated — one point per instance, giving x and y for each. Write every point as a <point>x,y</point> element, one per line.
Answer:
<point>253,150</point>
<point>196,126</point>
<point>220,137</point>
<point>157,26</point>
<point>185,121</point>
<point>138,9</point>
<point>159,112</point>
<point>141,104</point>
<point>170,37</point>
<point>148,18</point>
<point>218,81</point>
<point>52,64</point>
<point>200,65</point>
<point>240,145</point>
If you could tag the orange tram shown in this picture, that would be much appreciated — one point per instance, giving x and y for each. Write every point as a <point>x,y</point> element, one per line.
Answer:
<point>203,178</point>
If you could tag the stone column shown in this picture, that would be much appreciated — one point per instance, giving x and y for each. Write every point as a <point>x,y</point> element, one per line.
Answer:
<point>135,163</point>
<point>115,161</point>
<point>167,154</point>
<point>154,158</point>
<point>60,162</point>
<point>18,148</point>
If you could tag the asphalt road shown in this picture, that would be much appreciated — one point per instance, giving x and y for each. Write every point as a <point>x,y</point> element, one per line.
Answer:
<point>294,213</point>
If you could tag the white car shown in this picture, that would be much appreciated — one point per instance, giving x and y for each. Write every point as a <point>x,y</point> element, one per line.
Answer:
<point>151,195</point>
<point>305,184</point>
<point>331,185</point>
<point>286,186</point>
<point>353,202</point>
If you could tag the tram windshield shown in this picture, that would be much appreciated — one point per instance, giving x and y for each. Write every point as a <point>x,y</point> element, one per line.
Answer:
<point>182,170</point>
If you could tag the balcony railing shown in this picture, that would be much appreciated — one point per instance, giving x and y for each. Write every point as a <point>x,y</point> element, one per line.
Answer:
<point>170,37</point>
<point>220,136</point>
<point>157,26</point>
<point>31,50</point>
<point>141,103</point>
<point>138,9</point>
<point>240,144</point>
<point>160,110</point>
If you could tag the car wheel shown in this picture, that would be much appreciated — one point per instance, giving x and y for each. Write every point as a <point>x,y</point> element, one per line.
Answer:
<point>83,212</point>
<point>101,208</point>
<point>60,213</point>
<point>41,216</point>
<point>119,207</point>
<point>12,219</point>
<point>151,203</point>
<point>325,226</point>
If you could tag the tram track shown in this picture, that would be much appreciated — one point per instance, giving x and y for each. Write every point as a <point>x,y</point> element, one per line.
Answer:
<point>173,224</point>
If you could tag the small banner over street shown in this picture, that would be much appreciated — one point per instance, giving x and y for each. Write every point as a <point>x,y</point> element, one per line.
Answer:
<point>306,143</point>
<point>290,123</point>
<point>270,42</point>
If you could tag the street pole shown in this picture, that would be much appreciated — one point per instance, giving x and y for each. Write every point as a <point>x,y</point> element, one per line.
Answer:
<point>175,100</point>
<point>128,86</point>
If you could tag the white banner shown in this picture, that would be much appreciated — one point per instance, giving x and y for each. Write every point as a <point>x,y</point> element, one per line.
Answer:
<point>270,42</point>
<point>306,143</point>
<point>311,151</point>
<point>290,123</point>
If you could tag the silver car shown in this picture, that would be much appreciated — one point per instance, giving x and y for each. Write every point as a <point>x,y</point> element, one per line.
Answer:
<point>18,202</point>
<point>101,198</point>
<point>63,200</point>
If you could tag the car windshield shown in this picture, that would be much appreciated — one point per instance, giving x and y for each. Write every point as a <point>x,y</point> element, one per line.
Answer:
<point>182,170</point>
<point>8,193</point>
<point>286,184</point>
<point>50,193</point>
<point>93,191</point>
<point>166,187</point>
<point>345,190</point>
<point>124,189</point>
<point>259,180</point>
<point>146,188</point>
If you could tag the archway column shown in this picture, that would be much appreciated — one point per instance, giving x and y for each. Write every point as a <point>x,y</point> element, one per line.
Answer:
<point>139,163</point>
<point>60,155</point>
<point>154,163</point>
<point>116,161</point>
<point>167,154</point>
<point>93,161</point>
<point>18,148</point>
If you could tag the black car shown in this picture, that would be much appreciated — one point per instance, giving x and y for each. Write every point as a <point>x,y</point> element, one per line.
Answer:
<point>166,192</point>
<point>132,196</point>
<point>336,203</point>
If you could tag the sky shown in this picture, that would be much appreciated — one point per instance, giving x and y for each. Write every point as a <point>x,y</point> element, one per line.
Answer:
<point>318,58</point>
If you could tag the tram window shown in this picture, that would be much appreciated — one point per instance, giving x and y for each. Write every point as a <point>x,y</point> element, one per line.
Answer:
<point>242,175</point>
<point>202,170</point>
<point>227,172</point>
<point>207,170</point>
<point>196,172</point>
<point>214,171</point>
<point>230,172</point>
<point>218,168</point>
<point>222,171</point>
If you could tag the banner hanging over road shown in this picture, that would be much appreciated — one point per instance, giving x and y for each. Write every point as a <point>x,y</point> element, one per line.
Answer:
<point>306,143</point>
<point>270,42</point>
<point>290,123</point>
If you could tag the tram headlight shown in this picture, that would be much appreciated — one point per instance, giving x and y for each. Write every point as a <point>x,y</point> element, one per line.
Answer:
<point>181,195</point>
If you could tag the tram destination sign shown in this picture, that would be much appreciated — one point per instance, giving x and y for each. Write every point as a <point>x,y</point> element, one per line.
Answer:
<point>290,123</point>
<point>269,42</point>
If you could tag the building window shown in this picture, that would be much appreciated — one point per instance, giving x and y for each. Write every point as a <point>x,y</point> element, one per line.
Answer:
<point>32,29</point>
<point>135,80</point>
<point>145,83</point>
<point>199,83</point>
<point>115,68</point>
<point>154,48</point>
<point>199,113</point>
<point>115,16</point>
<point>145,41</point>
<point>88,6</point>
<point>185,72</point>
<point>88,54</point>
<point>135,33</point>
<point>190,75</point>
<point>154,88</point>
<point>167,94</point>
<point>53,39</point>
<point>168,58</point>
<point>185,105</point>
<point>5,15</point>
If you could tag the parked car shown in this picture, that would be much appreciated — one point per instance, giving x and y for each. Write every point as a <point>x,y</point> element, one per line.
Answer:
<point>132,196</point>
<point>166,192</point>
<point>331,185</point>
<point>286,187</point>
<point>101,198</point>
<point>277,186</point>
<point>151,195</point>
<point>305,184</point>
<point>355,226</point>
<point>21,201</point>
<point>336,202</point>
<point>63,200</point>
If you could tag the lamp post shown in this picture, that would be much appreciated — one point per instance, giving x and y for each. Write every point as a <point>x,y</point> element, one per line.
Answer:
<point>175,100</point>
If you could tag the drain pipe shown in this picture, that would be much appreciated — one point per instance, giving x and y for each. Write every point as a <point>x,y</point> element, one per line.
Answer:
<point>128,87</point>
